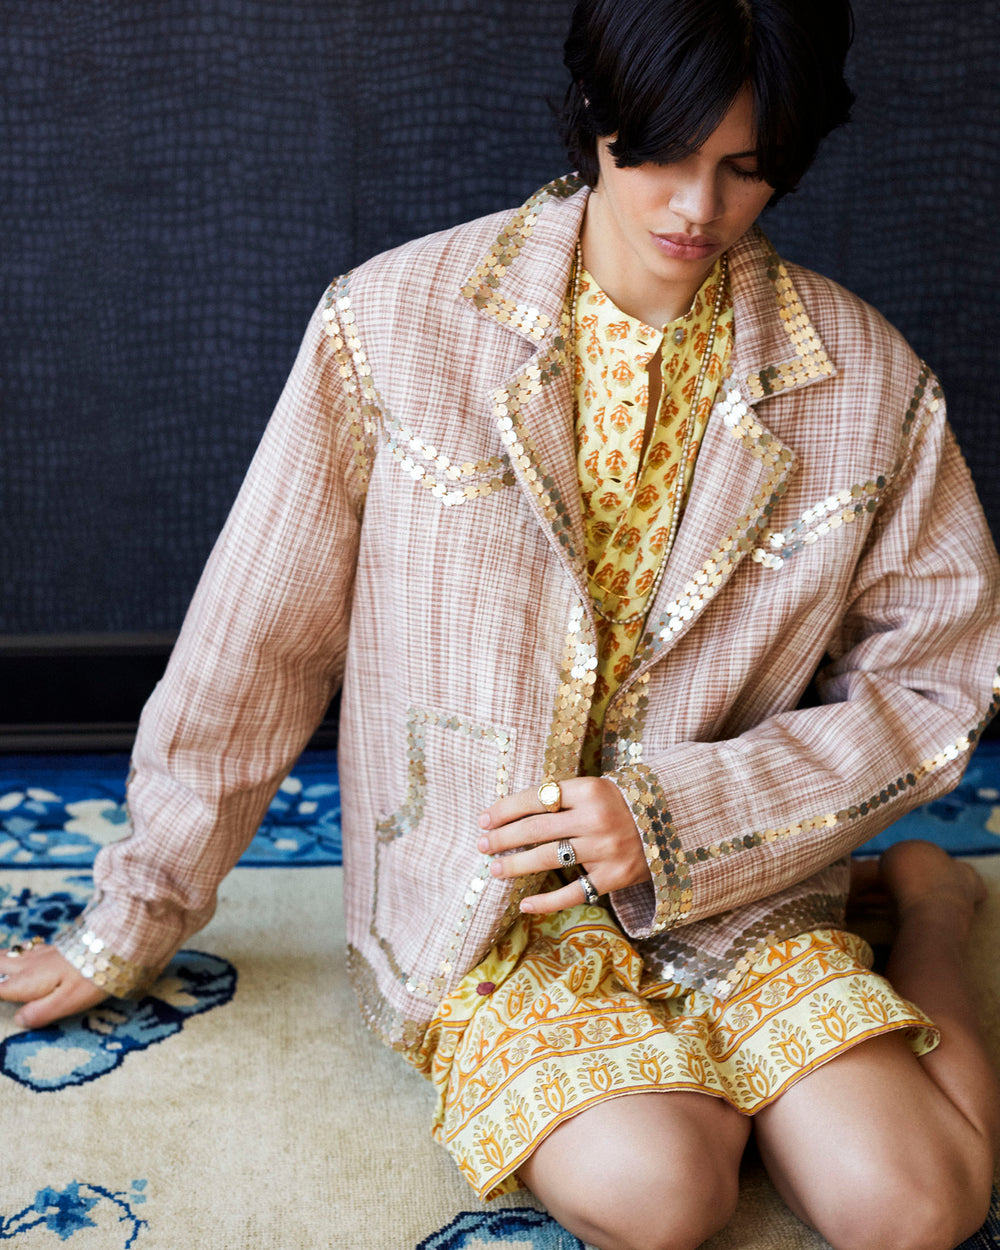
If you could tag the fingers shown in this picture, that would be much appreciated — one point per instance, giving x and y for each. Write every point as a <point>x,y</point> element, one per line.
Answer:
<point>530,831</point>
<point>576,791</point>
<point>68,999</point>
<point>30,973</point>
<point>47,984</point>
<point>594,818</point>
<point>555,900</point>
<point>529,860</point>
<point>520,820</point>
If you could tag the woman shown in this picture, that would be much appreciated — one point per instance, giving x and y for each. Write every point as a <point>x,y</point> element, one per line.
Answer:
<point>574,501</point>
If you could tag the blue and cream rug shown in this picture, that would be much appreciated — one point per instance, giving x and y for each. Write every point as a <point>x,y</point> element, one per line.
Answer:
<point>242,1105</point>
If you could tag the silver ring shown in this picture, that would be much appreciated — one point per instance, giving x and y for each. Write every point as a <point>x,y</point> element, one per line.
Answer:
<point>567,856</point>
<point>550,796</point>
<point>589,893</point>
<point>4,977</point>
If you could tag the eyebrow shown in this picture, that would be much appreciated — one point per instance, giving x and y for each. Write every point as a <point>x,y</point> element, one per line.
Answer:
<point>736,156</point>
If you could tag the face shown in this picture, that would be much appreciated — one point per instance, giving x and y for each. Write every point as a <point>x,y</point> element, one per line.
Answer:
<point>653,232</point>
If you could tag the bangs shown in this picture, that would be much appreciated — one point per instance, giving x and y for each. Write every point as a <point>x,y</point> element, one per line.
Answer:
<point>660,75</point>
<point>666,107</point>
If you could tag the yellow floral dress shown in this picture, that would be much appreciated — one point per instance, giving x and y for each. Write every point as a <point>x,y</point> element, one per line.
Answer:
<point>629,485</point>
<point>562,1014</point>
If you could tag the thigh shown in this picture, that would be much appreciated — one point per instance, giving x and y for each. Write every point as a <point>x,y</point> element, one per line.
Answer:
<point>870,1152</point>
<point>645,1170</point>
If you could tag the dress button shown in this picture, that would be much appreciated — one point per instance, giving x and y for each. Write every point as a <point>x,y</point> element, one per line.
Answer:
<point>485,987</point>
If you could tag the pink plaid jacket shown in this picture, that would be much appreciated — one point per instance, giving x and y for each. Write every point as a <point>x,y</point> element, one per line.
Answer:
<point>411,528</point>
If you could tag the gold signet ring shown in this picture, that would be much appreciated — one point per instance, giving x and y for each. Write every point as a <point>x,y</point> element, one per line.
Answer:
<point>550,796</point>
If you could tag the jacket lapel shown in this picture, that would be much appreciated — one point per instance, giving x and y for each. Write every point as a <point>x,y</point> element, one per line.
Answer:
<point>776,347</point>
<point>521,283</point>
<point>739,475</point>
<point>742,467</point>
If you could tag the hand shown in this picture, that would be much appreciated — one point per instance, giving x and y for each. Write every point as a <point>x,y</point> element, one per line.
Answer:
<point>48,985</point>
<point>594,817</point>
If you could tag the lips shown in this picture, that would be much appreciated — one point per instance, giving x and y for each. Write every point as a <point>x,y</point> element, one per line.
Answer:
<point>686,246</point>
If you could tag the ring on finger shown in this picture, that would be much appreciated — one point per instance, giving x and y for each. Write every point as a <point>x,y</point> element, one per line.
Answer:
<point>550,796</point>
<point>590,895</point>
<point>567,856</point>
<point>20,947</point>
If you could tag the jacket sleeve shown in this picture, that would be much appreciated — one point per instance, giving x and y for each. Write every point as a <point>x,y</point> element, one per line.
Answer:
<point>260,654</point>
<point>910,684</point>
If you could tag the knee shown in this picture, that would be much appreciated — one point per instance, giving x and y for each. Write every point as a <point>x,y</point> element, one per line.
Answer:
<point>647,1209</point>
<point>908,1216</point>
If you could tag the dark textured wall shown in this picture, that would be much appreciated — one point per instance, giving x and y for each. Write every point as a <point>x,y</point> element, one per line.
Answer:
<point>181,182</point>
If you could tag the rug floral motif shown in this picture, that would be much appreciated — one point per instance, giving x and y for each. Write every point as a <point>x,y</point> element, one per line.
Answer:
<point>76,1208</point>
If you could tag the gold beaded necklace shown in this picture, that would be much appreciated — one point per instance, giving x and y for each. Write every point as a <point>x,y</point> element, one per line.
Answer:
<point>678,489</point>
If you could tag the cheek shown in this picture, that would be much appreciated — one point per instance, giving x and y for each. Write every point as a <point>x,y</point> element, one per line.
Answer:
<point>758,199</point>
<point>750,205</point>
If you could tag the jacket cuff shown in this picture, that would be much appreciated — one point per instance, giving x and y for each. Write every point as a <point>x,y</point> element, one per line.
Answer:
<point>91,957</point>
<point>645,909</point>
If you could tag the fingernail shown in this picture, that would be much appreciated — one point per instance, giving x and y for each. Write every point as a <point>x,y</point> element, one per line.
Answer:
<point>526,906</point>
<point>484,820</point>
<point>495,869</point>
<point>483,845</point>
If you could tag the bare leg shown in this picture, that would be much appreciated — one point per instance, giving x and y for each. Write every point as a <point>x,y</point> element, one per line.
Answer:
<point>879,1148</point>
<point>642,1172</point>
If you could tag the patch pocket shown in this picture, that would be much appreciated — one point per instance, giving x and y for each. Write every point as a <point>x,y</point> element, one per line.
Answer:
<point>846,506</point>
<point>449,480</point>
<point>429,876</point>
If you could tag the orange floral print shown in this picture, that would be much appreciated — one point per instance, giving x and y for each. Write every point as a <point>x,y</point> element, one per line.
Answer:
<point>627,497</point>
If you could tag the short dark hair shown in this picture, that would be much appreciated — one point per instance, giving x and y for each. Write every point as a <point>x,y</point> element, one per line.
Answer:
<point>662,74</point>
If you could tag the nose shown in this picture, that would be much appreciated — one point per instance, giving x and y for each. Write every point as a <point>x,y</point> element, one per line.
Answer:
<point>696,196</point>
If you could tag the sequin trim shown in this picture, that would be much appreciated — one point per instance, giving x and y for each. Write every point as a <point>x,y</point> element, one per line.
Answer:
<point>577,676</point>
<point>481,286</point>
<point>664,855</point>
<point>623,737</point>
<point>810,361</point>
<point>90,956</point>
<point>508,402</point>
<point>823,820</point>
<point>405,820</point>
<point>448,482</point>
<point>918,413</point>
<point>846,506</point>
<point>625,718</point>
<point>826,517</point>
<point>355,371</point>
<point>389,1025</point>
<point>679,962</point>
<point>738,418</point>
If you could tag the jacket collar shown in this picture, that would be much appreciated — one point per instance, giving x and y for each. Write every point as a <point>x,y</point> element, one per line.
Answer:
<point>521,284</point>
<point>521,281</point>
<point>776,346</point>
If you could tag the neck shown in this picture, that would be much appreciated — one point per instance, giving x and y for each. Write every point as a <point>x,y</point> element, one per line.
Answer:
<point>656,299</point>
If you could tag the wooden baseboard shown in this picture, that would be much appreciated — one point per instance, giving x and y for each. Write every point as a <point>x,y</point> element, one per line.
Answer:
<point>84,692</point>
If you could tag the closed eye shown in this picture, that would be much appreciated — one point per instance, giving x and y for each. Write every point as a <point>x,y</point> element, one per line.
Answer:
<point>752,175</point>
